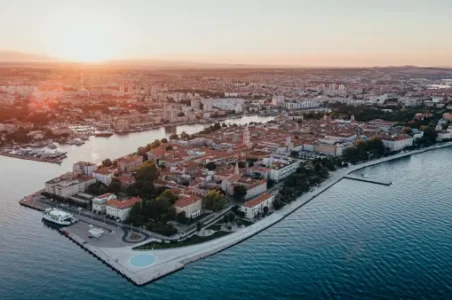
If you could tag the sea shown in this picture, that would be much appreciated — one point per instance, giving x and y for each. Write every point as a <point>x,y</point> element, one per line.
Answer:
<point>356,240</point>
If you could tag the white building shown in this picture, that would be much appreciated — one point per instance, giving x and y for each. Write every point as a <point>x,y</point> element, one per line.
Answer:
<point>229,104</point>
<point>300,105</point>
<point>190,204</point>
<point>398,142</point>
<point>69,188</point>
<point>120,209</point>
<point>276,100</point>
<point>100,201</point>
<point>280,167</point>
<point>103,175</point>
<point>86,168</point>
<point>256,206</point>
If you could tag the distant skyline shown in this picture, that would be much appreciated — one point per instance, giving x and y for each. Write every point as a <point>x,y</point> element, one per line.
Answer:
<point>268,32</point>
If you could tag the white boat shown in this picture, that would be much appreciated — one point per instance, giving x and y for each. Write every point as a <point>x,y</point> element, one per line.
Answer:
<point>58,217</point>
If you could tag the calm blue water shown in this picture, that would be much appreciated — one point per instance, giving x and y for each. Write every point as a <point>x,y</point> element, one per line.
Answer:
<point>356,240</point>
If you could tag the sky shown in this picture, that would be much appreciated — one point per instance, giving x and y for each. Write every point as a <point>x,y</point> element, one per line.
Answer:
<point>273,32</point>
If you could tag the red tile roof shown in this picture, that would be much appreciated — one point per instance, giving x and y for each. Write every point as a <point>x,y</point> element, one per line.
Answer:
<point>124,203</point>
<point>187,200</point>
<point>258,200</point>
<point>103,171</point>
<point>105,195</point>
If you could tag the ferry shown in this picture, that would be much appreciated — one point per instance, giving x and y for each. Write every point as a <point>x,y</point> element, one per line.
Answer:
<point>58,217</point>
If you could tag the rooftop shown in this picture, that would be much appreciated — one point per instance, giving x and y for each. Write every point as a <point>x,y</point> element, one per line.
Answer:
<point>187,200</point>
<point>258,200</point>
<point>124,203</point>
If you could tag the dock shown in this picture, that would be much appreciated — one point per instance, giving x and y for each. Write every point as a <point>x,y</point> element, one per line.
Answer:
<point>369,180</point>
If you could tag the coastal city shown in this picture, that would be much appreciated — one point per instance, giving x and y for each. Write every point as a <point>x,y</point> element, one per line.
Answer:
<point>203,150</point>
<point>183,197</point>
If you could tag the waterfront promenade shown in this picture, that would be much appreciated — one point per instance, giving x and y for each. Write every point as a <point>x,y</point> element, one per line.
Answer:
<point>164,262</point>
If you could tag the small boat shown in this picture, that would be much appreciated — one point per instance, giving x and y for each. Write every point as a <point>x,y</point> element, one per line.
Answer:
<point>58,217</point>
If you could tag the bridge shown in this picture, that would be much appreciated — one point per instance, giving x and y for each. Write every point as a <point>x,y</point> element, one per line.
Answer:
<point>369,180</point>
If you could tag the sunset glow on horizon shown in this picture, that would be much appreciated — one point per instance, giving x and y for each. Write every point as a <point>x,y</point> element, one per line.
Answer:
<point>287,32</point>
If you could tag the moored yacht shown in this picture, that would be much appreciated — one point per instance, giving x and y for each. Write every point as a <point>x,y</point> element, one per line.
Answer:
<point>58,217</point>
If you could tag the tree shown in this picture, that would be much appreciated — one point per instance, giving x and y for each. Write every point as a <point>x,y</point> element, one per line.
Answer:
<point>169,196</point>
<point>430,134</point>
<point>155,144</point>
<point>184,135</point>
<point>148,188</point>
<point>211,166</point>
<point>132,191</point>
<point>114,187</point>
<point>231,217</point>
<point>97,189</point>
<point>174,136</point>
<point>135,216</point>
<point>107,162</point>
<point>242,164</point>
<point>164,141</point>
<point>278,204</point>
<point>239,192</point>
<point>270,183</point>
<point>351,154</point>
<point>214,200</point>
<point>181,218</point>
<point>146,172</point>
<point>265,210</point>
<point>169,148</point>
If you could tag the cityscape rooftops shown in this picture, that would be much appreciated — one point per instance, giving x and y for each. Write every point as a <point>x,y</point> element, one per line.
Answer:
<point>122,204</point>
<point>258,200</point>
<point>187,200</point>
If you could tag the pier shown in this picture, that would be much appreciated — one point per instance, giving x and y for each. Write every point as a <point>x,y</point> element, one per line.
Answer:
<point>369,180</point>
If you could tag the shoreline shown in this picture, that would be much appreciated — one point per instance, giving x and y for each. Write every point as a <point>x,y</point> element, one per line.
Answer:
<point>38,159</point>
<point>168,261</point>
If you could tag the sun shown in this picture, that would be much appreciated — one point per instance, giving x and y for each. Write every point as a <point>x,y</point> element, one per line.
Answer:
<point>85,41</point>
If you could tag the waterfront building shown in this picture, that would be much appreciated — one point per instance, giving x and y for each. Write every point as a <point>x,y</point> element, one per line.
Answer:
<point>100,201</point>
<point>397,142</point>
<point>120,209</point>
<point>299,105</point>
<point>253,187</point>
<point>86,168</point>
<point>103,175</point>
<point>256,206</point>
<point>66,187</point>
<point>191,205</point>
<point>280,167</point>
<point>258,171</point>
<point>129,163</point>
